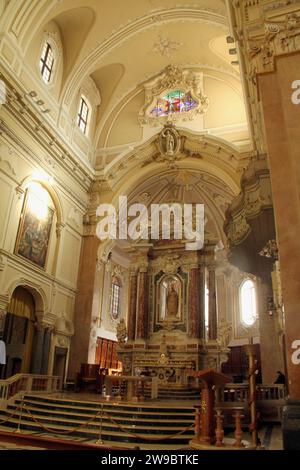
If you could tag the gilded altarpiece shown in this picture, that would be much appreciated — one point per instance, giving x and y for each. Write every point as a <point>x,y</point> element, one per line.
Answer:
<point>175,342</point>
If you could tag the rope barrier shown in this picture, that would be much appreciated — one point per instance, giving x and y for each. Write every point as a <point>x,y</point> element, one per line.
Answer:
<point>59,431</point>
<point>48,429</point>
<point>10,416</point>
<point>149,439</point>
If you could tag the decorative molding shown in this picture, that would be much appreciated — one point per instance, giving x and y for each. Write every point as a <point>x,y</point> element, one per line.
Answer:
<point>165,46</point>
<point>57,154</point>
<point>256,196</point>
<point>135,26</point>
<point>8,156</point>
<point>280,37</point>
<point>171,78</point>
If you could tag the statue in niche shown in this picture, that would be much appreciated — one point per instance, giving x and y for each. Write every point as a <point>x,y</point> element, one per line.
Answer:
<point>170,296</point>
<point>169,141</point>
<point>172,303</point>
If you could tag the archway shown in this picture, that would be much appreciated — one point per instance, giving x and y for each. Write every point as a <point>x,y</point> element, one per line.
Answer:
<point>19,332</point>
<point>27,340</point>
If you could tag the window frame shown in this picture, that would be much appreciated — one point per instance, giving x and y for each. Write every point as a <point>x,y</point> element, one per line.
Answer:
<point>241,316</point>
<point>115,303</point>
<point>80,119</point>
<point>43,62</point>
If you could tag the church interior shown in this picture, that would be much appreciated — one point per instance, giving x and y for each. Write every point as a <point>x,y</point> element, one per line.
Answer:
<point>146,339</point>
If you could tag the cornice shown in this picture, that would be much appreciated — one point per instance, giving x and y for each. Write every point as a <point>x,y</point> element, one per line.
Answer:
<point>266,30</point>
<point>26,116</point>
<point>201,147</point>
<point>24,267</point>
<point>255,197</point>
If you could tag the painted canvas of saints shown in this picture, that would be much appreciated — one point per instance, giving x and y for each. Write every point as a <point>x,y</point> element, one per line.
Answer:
<point>34,231</point>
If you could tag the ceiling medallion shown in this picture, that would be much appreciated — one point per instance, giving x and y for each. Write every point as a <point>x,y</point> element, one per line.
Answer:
<point>165,47</point>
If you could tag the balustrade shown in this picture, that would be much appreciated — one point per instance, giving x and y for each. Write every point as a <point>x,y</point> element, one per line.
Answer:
<point>27,383</point>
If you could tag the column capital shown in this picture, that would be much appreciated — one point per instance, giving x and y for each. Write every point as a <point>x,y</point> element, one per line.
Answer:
<point>143,269</point>
<point>59,228</point>
<point>133,270</point>
<point>211,267</point>
<point>266,30</point>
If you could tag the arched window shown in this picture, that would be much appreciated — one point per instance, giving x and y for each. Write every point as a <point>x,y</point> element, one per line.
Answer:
<point>46,62</point>
<point>115,297</point>
<point>248,310</point>
<point>83,115</point>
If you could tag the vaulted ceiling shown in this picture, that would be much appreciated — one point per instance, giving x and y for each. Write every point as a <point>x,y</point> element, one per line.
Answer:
<point>121,44</point>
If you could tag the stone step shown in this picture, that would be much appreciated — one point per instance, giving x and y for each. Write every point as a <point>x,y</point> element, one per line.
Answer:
<point>137,424</point>
<point>161,420</point>
<point>153,410</point>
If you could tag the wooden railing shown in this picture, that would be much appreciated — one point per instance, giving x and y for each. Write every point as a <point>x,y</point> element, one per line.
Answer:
<point>237,393</point>
<point>270,399</point>
<point>26,383</point>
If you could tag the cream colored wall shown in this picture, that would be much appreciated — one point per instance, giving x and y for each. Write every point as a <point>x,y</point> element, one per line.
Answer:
<point>25,69</point>
<point>55,285</point>
<point>126,128</point>
<point>226,97</point>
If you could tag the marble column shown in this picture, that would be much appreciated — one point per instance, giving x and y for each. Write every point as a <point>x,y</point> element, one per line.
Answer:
<point>46,351</point>
<point>201,284</point>
<point>132,305</point>
<point>282,124</point>
<point>79,351</point>
<point>37,349</point>
<point>212,318</point>
<point>194,303</point>
<point>142,305</point>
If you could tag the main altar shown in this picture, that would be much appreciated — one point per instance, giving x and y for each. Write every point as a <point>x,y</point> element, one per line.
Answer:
<point>168,334</point>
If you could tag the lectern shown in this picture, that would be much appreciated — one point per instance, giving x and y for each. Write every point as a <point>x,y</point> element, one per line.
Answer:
<point>211,380</point>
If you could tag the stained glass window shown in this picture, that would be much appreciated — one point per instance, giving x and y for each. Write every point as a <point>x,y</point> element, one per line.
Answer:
<point>177,101</point>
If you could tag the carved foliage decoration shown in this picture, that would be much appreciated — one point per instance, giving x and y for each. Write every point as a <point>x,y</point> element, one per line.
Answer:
<point>174,78</point>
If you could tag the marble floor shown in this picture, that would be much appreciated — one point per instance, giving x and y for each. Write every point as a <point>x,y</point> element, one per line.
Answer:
<point>270,436</point>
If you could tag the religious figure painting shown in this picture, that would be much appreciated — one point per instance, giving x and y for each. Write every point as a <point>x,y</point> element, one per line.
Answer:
<point>34,230</point>
<point>170,295</point>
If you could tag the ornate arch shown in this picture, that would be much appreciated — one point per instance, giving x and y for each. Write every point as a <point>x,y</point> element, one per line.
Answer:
<point>49,188</point>
<point>40,298</point>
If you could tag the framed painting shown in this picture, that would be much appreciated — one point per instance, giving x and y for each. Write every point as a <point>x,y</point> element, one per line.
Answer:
<point>34,230</point>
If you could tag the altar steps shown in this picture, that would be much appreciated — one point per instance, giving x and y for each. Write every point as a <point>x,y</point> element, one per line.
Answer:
<point>128,423</point>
